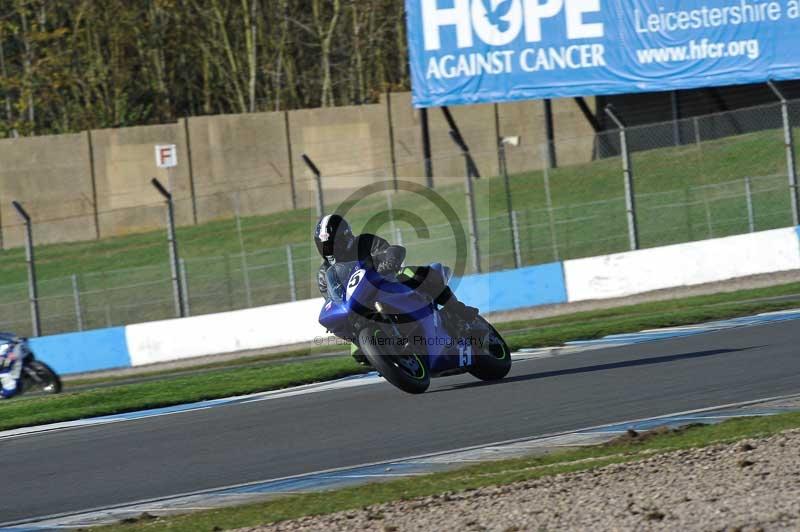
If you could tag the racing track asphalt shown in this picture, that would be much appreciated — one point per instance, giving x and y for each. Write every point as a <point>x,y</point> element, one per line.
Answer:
<point>82,468</point>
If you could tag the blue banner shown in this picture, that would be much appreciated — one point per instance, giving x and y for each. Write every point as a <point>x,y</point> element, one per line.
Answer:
<point>478,51</point>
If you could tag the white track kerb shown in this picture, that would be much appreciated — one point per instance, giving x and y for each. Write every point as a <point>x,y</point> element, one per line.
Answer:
<point>603,277</point>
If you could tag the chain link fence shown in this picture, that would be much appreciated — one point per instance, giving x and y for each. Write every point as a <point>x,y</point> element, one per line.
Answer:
<point>693,179</point>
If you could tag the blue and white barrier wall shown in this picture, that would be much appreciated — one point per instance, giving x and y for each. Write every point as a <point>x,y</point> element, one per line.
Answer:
<point>227,332</point>
<point>512,289</point>
<point>609,276</point>
<point>707,261</point>
<point>84,351</point>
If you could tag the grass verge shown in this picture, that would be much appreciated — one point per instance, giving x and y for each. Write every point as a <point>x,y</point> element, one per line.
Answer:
<point>176,388</point>
<point>473,477</point>
<point>228,364</point>
<point>188,389</point>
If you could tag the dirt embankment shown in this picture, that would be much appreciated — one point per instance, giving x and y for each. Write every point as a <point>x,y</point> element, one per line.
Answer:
<point>748,486</point>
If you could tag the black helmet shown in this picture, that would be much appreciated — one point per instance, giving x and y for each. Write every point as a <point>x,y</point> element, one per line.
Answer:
<point>333,236</point>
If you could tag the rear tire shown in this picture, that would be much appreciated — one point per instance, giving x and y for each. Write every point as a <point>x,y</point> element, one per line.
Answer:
<point>493,362</point>
<point>404,370</point>
<point>38,377</point>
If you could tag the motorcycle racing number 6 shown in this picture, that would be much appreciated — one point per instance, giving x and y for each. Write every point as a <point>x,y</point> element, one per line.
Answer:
<point>354,280</point>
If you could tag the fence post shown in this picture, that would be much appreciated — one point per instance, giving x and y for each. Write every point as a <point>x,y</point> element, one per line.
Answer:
<point>33,293</point>
<point>751,219</point>
<point>392,153</point>
<point>549,203</point>
<point>675,104</point>
<point>228,281</point>
<point>185,287</point>
<point>709,218</point>
<point>501,152</point>
<point>426,146</point>
<point>76,295</point>
<point>190,168</point>
<point>106,304</point>
<point>697,139</point>
<point>549,133</point>
<point>791,167</point>
<point>318,178</point>
<point>288,133</point>
<point>177,289</point>
<point>515,236</point>
<point>687,204</point>
<point>290,262</point>
<point>390,207</point>
<point>627,169</point>
<point>470,192</point>
<point>245,270</point>
<point>93,177</point>
<point>455,133</point>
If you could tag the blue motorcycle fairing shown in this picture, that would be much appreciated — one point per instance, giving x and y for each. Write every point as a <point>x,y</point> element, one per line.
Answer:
<point>335,317</point>
<point>439,351</point>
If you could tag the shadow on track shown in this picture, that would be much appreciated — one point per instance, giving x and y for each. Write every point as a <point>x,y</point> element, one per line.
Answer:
<point>599,367</point>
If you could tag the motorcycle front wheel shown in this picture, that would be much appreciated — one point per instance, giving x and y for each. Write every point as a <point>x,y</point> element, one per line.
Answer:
<point>399,365</point>
<point>38,377</point>
<point>493,361</point>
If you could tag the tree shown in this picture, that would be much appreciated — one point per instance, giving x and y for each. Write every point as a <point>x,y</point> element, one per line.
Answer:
<point>71,65</point>
<point>325,27</point>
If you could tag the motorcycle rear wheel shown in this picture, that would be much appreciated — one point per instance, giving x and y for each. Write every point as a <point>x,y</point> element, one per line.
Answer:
<point>405,370</point>
<point>38,377</point>
<point>493,361</point>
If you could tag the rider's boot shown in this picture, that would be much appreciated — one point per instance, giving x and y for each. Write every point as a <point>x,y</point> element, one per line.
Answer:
<point>455,309</point>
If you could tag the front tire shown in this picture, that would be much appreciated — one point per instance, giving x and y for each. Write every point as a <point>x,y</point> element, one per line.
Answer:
<point>405,370</point>
<point>493,362</point>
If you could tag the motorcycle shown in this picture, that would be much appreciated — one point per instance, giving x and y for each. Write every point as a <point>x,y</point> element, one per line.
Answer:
<point>402,333</point>
<point>36,376</point>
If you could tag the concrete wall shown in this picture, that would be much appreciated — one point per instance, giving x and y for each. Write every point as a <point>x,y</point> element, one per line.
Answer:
<point>124,164</point>
<point>49,176</point>
<point>57,178</point>
<point>240,152</point>
<point>350,145</point>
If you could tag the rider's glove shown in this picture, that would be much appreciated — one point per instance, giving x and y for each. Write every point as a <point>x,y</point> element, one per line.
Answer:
<point>391,260</point>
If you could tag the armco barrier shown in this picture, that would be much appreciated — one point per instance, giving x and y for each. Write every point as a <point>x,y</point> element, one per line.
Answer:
<point>608,276</point>
<point>707,261</point>
<point>513,289</point>
<point>83,351</point>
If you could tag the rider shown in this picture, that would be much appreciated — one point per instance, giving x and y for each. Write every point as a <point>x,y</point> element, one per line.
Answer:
<point>11,370</point>
<point>335,242</point>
